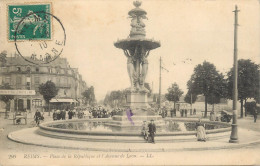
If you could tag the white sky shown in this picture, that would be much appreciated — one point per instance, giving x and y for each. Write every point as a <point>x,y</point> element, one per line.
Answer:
<point>199,30</point>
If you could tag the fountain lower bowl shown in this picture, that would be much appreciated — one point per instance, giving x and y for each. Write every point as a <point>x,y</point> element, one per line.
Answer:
<point>49,129</point>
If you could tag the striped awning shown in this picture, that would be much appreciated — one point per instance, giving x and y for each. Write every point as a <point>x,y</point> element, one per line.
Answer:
<point>62,101</point>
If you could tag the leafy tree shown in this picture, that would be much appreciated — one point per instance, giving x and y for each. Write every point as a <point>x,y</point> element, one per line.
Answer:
<point>89,95</point>
<point>6,98</point>
<point>48,91</point>
<point>174,93</point>
<point>218,91</point>
<point>115,98</point>
<point>3,60</point>
<point>187,98</point>
<point>206,80</point>
<point>190,92</point>
<point>248,82</point>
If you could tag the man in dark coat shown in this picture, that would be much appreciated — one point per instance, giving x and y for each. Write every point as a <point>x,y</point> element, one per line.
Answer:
<point>152,130</point>
<point>70,114</point>
<point>37,117</point>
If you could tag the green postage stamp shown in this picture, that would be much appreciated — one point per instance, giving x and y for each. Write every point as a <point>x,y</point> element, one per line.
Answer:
<point>29,22</point>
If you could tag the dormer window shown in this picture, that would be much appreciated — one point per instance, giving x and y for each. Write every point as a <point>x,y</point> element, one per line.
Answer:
<point>28,69</point>
<point>18,69</point>
<point>50,70</point>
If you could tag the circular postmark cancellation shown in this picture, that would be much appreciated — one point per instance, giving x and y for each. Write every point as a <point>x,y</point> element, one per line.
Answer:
<point>35,50</point>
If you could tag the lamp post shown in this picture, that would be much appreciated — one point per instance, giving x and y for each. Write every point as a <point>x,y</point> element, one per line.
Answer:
<point>191,98</point>
<point>234,137</point>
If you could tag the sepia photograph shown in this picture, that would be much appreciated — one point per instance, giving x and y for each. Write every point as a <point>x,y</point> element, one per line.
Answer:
<point>129,82</point>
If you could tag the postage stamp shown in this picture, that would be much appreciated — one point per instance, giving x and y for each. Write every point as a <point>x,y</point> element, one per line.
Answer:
<point>29,22</point>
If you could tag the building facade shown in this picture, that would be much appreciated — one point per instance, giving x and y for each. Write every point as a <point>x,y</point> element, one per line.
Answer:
<point>22,75</point>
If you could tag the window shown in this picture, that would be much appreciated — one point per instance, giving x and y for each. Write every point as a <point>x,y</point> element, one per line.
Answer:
<point>49,70</point>
<point>8,80</point>
<point>28,85</point>
<point>28,82</point>
<point>18,69</point>
<point>37,69</point>
<point>58,71</point>
<point>28,69</point>
<point>66,81</point>
<point>36,80</point>
<point>18,82</point>
<point>58,81</point>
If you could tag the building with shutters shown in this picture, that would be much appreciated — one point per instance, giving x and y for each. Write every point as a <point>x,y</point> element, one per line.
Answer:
<point>20,74</point>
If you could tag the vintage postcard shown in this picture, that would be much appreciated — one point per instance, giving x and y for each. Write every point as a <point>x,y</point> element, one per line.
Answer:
<point>129,82</point>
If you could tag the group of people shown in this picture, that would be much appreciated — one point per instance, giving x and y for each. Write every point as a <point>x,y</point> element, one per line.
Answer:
<point>184,112</point>
<point>173,112</point>
<point>61,114</point>
<point>99,112</point>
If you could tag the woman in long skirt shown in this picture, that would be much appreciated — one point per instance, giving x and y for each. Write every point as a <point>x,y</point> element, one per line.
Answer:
<point>201,133</point>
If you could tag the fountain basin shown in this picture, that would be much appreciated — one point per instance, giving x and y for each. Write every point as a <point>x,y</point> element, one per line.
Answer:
<point>81,129</point>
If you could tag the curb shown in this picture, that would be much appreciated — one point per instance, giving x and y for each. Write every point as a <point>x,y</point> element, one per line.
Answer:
<point>234,146</point>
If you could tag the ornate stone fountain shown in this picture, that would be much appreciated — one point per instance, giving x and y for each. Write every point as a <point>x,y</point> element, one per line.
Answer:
<point>137,48</point>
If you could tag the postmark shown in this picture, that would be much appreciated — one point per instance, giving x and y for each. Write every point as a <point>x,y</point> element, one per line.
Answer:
<point>36,25</point>
<point>40,51</point>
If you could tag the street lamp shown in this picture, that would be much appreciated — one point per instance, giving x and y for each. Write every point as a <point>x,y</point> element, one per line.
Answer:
<point>234,137</point>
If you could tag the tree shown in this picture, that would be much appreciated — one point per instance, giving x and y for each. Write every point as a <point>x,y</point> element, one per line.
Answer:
<point>174,93</point>
<point>89,95</point>
<point>206,80</point>
<point>6,98</point>
<point>48,91</point>
<point>190,92</point>
<point>218,91</point>
<point>3,60</point>
<point>115,98</point>
<point>187,98</point>
<point>248,82</point>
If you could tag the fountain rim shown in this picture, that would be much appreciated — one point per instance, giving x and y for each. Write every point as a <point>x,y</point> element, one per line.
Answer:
<point>44,126</point>
<point>129,42</point>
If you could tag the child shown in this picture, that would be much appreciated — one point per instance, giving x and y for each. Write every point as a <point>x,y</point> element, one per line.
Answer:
<point>145,131</point>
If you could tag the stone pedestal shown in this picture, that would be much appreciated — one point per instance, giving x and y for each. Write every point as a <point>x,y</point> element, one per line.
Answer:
<point>137,100</point>
<point>138,103</point>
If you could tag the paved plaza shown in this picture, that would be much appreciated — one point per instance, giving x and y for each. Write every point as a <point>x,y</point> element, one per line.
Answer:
<point>191,152</point>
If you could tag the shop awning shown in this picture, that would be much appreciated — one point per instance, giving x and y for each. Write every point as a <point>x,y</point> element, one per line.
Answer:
<point>62,101</point>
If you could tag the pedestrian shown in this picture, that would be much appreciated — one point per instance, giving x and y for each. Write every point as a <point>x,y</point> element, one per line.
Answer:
<point>182,112</point>
<point>152,130</point>
<point>54,115</point>
<point>201,133</point>
<point>194,111</point>
<point>145,131</point>
<point>255,114</point>
<point>172,112</point>
<point>70,114</point>
<point>63,114</point>
<point>37,117</point>
<point>58,114</point>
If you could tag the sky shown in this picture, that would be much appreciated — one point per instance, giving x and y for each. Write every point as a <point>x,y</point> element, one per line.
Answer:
<point>187,29</point>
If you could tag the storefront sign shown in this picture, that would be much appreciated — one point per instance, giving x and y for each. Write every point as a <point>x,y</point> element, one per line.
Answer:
<point>17,92</point>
